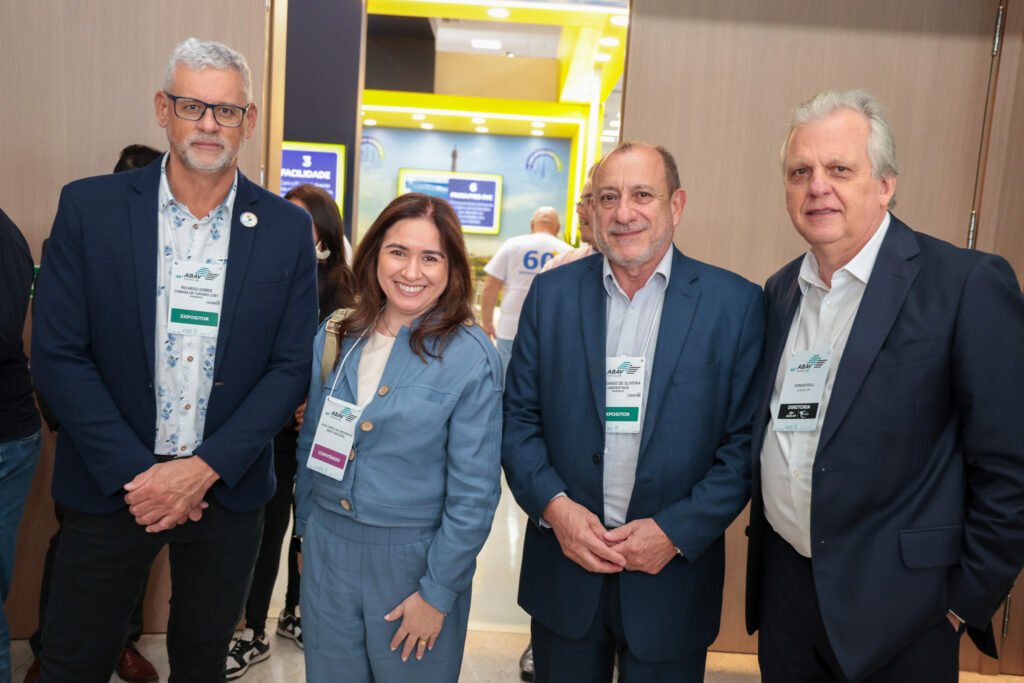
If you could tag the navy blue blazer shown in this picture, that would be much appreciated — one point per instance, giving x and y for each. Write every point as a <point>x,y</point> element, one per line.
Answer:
<point>93,327</point>
<point>693,471</point>
<point>917,504</point>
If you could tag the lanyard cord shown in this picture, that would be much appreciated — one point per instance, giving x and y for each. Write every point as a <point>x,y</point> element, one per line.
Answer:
<point>345,358</point>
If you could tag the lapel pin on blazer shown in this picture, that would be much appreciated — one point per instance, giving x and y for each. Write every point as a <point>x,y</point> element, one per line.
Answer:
<point>248,219</point>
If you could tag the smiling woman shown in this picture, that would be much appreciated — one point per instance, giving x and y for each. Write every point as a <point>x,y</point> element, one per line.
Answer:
<point>413,387</point>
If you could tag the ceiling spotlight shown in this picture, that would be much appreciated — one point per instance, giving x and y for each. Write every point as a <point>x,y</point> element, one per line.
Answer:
<point>608,138</point>
<point>482,129</point>
<point>479,120</point>
<point>536,132</point>
<point>369,122</point>
<point>620,20</point>
<point>485,44</point>
<point>602,57</point>
<point>608,41</point>
<point>510,55</point>
<point>609,133</point>
<point>538,124</point>
<point>498,13</point>
<point>615,124</point>
<point>427,126</point>
<point>418,117</point>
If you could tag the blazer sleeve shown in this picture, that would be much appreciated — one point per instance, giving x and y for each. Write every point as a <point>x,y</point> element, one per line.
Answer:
<point>473,476</point>
<point>528,470</point>
<point>696,521</point>
<point>232,449</point>
<point>988,373</point>
<point>63,365</point>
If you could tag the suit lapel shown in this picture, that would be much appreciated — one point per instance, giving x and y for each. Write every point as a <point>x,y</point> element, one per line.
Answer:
<point>593,311</point>
<point>681,297</point>
<point>783,311</point>
<point>890,280</point>
<point>239,249</point>
<point>144,232</point>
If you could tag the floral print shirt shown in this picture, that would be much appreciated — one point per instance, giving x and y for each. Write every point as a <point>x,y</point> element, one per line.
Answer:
<point>183,368</point>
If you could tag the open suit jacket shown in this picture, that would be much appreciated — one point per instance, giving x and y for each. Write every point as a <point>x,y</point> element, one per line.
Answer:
<point>917,502</point>
<point>93,348</point>
<point>692,473</point>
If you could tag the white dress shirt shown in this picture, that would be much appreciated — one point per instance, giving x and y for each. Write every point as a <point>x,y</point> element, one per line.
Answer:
<point>631,330</point>
<point>823,320</point>
<point>183,367</point>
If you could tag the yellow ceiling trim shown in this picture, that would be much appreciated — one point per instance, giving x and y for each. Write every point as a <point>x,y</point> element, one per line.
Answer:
<point>521,11</point>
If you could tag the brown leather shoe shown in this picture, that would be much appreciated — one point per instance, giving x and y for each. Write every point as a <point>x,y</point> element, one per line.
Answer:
<point>133,667</point>
<point>33,671</point>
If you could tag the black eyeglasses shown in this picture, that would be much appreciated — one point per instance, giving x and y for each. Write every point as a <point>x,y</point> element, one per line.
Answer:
<point>191,109</point>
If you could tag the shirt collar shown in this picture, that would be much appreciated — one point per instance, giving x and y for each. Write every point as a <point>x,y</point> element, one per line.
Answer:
<point>660,275</point>
<point>859,266</point>
<point>165,197</point>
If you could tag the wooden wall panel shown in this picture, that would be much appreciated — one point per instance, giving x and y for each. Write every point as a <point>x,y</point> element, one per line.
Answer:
<point>78,82</point>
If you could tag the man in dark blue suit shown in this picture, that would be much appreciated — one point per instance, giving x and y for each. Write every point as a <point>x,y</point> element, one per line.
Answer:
<point>887,513</point>
<point>172,337</point>
<point>626,437</point>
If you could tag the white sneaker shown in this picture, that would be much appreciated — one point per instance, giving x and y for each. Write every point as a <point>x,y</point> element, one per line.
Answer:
<point>246,649</point>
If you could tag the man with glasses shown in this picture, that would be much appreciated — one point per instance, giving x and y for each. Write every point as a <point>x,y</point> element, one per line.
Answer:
<point>172,337</point>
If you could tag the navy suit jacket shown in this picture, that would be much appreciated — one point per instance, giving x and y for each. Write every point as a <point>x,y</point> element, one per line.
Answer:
<point>693,470</point>
<point>93,348</point>
<point>917,502</point>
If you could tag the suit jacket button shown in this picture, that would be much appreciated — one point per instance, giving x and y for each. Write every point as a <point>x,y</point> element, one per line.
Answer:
<point>345,504</point>
<point>352,455</point>
<point>366,425</point>
<point>597,458</point>
<point>384,389</point>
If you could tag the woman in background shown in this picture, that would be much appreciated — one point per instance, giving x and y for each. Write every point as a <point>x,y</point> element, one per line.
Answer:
<point>334,285</point>
<point>399,474</point>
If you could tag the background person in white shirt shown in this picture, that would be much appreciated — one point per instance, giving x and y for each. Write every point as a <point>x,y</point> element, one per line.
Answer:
<point>888,450</point>
<point>513,268</point>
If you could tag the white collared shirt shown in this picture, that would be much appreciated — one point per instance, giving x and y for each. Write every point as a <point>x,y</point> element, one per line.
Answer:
<point>183,366</point>
<point>824,319</point>
<point>631,330</point>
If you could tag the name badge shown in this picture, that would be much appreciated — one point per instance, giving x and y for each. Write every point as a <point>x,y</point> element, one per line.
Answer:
<point>332,442</point>
<point>802,390</point>
<point>623,394</point>
<point>197,292</point>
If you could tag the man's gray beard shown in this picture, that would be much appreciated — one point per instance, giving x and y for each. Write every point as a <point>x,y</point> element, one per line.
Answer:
<point>226,160</point>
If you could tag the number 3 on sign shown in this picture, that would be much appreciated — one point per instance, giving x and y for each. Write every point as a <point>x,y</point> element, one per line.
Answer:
<point>531,262</point>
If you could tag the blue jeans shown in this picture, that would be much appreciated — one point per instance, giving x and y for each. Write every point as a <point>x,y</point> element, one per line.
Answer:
<point>18,460</point>
<point>504,347</point>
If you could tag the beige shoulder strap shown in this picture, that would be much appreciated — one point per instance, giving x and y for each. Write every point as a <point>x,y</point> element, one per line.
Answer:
<point>331,342</point>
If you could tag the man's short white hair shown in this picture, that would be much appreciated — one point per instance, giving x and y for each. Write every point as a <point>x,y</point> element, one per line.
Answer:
<point>881,145</point>
<point>199,55</point>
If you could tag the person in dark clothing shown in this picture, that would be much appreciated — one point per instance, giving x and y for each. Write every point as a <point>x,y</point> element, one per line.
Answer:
<point>20,429</point>
<point>131,665</point>
<point>335,286</point>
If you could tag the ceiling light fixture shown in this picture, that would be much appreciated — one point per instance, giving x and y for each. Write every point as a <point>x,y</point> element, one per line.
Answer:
<point>607,138</point>
<point>619,20</point>
<point>418,117</point>
<point>602,57</point>
<point>615,124</point>
<point>536,132</point>
<point>482,129</point>
<point>538,124</point>
<point>427,126</point>
<point>479,120</point>
<point>485,44</point>
<point>369,122</point>
<point>608,41</point>
<point>498,13</point>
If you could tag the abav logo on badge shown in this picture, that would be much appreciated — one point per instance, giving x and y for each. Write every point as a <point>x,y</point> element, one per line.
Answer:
<point>625,368</point>
<point>201,274</point>
<point>813,363</point>
<point>343,414</point>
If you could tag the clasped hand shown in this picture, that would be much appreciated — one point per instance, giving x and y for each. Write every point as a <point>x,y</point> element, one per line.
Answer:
<point>170,493</point>
<point>421,624</point>
<point>639,545</point>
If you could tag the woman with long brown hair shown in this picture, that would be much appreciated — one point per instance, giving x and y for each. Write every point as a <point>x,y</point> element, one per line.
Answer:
<point>399,458</point>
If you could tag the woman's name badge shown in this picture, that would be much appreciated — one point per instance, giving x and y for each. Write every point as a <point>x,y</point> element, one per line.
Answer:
<point>623,394</point>
<point>333,439</point>
<point>803,387</point>
<point>197,292</point>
